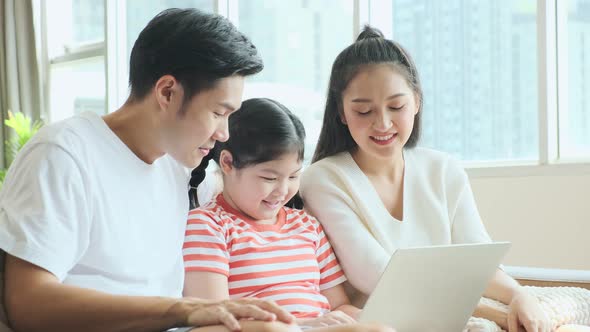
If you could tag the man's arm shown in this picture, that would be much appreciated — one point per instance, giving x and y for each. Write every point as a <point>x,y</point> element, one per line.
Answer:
<point>36,301</point>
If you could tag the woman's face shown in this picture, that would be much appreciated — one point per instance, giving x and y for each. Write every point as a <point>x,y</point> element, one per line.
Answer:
<point>379,109</point>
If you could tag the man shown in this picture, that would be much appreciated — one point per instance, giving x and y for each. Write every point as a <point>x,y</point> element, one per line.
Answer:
<point>93,210</point>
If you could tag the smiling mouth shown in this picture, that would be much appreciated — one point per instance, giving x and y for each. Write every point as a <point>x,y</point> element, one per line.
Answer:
<point>205,151</point>
<point>383,138</point>
<point>272,205</point>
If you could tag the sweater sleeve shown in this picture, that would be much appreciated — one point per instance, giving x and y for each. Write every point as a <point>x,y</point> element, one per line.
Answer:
<point>466,223</point>
<point>327,198</point>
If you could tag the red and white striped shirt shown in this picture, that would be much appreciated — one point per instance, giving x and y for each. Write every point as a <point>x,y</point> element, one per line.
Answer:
<point>288,262</point>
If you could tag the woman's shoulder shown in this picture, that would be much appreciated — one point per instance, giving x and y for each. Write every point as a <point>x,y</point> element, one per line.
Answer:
<point>329,172</point>
<point>428,155</point>
<point>435,165</point>
<point>341,163</point>
<point>431,159</point>
<point>338,160</point>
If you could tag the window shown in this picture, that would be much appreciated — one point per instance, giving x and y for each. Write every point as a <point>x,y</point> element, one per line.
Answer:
<point>72,24</point>
<point>85,82</point>
<point>478,73</point>
<point>574,113</point>
<point>140,12</point>
<point>481,64</point>
<point>298,41</point>
<point>75,50</point>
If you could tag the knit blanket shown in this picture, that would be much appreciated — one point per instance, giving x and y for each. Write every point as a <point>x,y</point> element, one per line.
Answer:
<point>563,305</point>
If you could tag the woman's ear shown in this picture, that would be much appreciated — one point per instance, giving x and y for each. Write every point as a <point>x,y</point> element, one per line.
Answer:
<point>342,117</point>
<point>417,103</point>
<point>226,162</point>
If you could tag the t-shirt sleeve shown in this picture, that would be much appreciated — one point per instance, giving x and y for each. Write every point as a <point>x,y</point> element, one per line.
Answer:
<point>205,247</point>
<point>331,273</point>
<point>466,223</point>
<point>44,209</point>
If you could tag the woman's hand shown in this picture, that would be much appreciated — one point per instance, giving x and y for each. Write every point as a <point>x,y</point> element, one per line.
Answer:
<point>228,312</point>
<point>524,309</point>
<point>332,318</point>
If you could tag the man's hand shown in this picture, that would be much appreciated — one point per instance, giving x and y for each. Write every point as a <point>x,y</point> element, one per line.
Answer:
<point>228,312</point>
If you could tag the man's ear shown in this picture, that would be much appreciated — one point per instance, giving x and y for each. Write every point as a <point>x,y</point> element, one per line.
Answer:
<point>168,92</point>
<point>226,162</point>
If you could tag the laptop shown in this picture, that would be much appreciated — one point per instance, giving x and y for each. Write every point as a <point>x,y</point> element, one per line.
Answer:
<point>433,288</point>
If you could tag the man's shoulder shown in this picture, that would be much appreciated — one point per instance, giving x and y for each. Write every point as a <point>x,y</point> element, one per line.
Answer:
<point>69,134</point>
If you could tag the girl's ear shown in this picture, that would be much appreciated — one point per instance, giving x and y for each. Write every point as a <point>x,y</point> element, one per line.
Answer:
<point>226,161</point>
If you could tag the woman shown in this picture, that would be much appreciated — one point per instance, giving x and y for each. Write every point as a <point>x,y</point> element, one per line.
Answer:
<point>374,191</point>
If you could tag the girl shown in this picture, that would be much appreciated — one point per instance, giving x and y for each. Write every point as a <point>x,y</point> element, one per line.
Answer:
<point>374,190</point>
<point>246,243</point>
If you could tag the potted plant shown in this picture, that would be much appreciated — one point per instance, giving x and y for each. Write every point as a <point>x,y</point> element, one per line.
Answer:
<point>24,129</point>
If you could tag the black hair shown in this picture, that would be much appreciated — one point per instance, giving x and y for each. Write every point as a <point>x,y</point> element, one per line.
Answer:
<point>370,48</point>
<point>261,130</point>
<point>196,48</point>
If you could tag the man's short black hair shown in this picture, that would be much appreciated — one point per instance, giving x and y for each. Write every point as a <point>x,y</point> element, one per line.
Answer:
<point>196,48</point>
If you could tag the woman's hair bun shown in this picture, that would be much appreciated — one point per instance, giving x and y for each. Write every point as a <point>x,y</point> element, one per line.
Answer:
<point>369,32</point>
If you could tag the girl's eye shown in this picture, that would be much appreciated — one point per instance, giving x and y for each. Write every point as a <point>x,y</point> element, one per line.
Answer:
<point>396,108</point>
<point>268,179</point>
<point>294,177</point>
<point>364,113</point>
<point>218,114</point>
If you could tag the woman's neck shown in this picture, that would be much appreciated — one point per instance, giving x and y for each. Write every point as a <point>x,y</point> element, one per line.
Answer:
<point>388,168</point>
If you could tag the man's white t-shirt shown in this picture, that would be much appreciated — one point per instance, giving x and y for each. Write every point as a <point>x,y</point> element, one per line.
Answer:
<point>78,203</point>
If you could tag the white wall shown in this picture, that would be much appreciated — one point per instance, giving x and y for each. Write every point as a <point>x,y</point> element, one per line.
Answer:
<point>547,218</point>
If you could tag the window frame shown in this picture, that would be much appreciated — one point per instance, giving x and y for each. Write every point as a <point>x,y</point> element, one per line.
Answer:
<point>552,78</point>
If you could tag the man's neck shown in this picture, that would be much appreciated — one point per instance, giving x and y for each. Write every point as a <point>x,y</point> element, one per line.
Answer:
<point>136,125</point>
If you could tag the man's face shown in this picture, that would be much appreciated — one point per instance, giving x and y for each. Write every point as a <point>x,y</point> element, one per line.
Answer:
<point>191,132</point>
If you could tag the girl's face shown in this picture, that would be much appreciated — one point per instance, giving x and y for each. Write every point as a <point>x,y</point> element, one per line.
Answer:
<point>379,109</point>
<point>260,191</point>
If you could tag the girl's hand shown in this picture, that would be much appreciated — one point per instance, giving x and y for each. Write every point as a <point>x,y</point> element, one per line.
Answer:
<point>524,309</point>
<point>332,318</point>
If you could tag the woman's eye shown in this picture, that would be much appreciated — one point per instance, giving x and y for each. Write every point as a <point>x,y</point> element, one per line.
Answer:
<point>364,113</point>
<point>399,108</point>
<point>268,179</point>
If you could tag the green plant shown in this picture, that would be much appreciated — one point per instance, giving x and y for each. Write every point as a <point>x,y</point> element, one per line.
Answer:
<point>24,129</point>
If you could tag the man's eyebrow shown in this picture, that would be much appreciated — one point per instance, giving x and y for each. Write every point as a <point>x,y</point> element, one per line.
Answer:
<point>227,106</point>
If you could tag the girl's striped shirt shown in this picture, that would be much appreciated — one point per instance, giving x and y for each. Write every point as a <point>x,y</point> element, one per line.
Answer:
<point>288,262</point>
